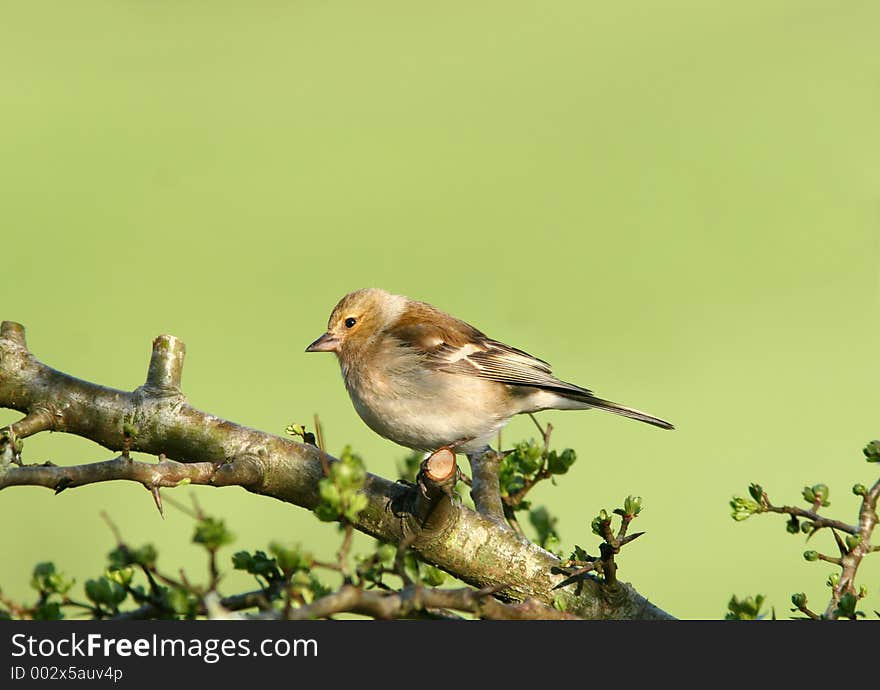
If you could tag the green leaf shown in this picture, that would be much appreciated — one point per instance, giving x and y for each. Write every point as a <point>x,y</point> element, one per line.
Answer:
<point>356,504</point>
<point>431,576</point>
<point>559,603</point>
<point>386,553</point>
<point>181,602</point>
<point>48,611</point>
<point>820,491</point>
<point>144,556</point>
<point>561,463</point>
<point>47,580</point>
<point>105,592</point>
<point>743,508</point>
<point>846,607</point>
<point>600,522</point>
<point>212,534</point>
<point>257,563</point>
<point>121,576</point>
<point>853,540</point>
<point>872,451</point>
<point>799,600</point>
<point>291,558</point>
<point>747,609</point>
<point>632,505</point>
<point>545,526</point>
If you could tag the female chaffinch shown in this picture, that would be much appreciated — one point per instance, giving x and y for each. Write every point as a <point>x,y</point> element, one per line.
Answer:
<point>424,379</point>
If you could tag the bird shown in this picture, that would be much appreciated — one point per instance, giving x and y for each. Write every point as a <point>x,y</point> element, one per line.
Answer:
<point>426,380</point>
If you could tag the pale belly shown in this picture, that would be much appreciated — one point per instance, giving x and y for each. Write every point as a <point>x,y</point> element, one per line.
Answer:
<point>429,411</point>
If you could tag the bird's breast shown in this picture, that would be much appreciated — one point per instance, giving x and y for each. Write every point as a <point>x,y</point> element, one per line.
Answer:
<point>421,408</point>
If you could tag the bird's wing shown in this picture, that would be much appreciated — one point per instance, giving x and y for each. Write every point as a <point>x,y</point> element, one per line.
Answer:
<point>455,347</point>
<point>494,360</point>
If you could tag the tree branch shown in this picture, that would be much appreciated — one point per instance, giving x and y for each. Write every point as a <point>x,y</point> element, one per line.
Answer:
<point>851,559</point>
<point>196,446</point>
<point>413,600</point>
<point>485,488</point>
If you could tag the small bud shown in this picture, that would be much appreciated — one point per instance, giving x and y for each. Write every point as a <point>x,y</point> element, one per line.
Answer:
<point>806,527</point>
<point>872,451</point>
<point>853,540</point>
<point>809,495</point>
<point>599,522</point>
<point>743,508</point>
<point>799,599</point>
<point>820,491</point>
<point>756,491</point>
<point>793,526</point>
<point>863,592</point>
<point>811,555</point>
<point>833,580</point>
<point>295,430</point>
<point>859,489</point>
<point>632,505</point>
<point>386,553</point>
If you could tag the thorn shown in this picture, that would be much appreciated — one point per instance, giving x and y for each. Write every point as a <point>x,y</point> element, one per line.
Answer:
<point>576,575</point>
<point>157,497</point>
<point>629,538</point>
<point>840,545</point>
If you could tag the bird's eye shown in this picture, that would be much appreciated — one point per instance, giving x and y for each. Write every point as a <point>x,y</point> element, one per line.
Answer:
<point>350,322</point>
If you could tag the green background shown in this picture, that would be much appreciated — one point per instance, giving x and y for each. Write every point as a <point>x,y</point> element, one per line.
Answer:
<point>675,203</point>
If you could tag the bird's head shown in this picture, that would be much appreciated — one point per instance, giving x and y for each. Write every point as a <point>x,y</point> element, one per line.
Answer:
<point>357,318</point>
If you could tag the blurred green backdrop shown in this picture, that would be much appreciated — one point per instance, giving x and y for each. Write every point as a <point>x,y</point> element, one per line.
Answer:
<point>676,203</point>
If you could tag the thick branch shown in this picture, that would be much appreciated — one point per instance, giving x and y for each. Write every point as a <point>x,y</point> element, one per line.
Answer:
<point>157,419</point>
<point>413,600</point>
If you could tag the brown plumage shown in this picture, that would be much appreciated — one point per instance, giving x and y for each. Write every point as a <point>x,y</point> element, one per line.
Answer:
<point>424,379</point>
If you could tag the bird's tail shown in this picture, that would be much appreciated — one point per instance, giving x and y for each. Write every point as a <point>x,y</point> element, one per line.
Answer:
<point>609,406</point>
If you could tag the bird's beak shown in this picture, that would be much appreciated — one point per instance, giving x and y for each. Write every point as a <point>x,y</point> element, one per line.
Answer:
<point>326,343</point>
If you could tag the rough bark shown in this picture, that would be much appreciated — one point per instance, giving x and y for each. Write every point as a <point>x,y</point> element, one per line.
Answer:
<point>200,448</point>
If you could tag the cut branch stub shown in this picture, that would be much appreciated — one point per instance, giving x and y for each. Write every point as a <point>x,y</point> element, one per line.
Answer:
<point>437,477</point>
<point>440,466</point>
<point>14,332</point>
<point>166,364</point>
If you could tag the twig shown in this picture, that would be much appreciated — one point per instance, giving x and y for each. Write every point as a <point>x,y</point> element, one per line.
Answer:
<point>819,521</point>
<point>342,554</point>
<point>166,473</point>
